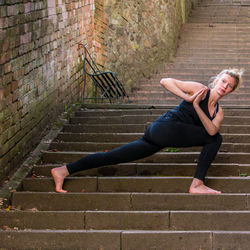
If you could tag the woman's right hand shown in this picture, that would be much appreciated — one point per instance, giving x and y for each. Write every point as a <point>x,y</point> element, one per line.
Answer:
<point>197,96</point>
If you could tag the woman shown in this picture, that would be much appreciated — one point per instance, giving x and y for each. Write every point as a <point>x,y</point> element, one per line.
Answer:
<point>195,122</point>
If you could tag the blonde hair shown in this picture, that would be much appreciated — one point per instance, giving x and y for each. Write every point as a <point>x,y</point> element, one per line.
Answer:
<point>235,73</point>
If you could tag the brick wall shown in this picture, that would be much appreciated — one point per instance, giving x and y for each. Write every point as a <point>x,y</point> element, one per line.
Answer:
<point>39,68</point>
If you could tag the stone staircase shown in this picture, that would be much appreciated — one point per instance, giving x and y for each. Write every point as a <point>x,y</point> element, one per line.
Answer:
<point>217,36</point>
<point>145,204</point>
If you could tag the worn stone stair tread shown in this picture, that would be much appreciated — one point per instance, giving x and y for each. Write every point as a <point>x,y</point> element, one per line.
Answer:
<point>77,201</point>
<point>168,157</point>
<point>139,128</point>
<point>126,220</point>
<point>124,239</point>
<point>175,101</point>
<point>120,137</point>
<point>137,184</point>
<point>91,113</point>
<point>135,119</point>
<point>104,146</point>
<point>152,169</point>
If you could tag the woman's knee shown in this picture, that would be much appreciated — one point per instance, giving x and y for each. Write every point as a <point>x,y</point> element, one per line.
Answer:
<point>217,139</point>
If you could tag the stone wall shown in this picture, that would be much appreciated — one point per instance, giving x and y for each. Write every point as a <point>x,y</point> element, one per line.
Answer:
<point>39,68</point>
<point>141,35</point>
<point>40,61</point>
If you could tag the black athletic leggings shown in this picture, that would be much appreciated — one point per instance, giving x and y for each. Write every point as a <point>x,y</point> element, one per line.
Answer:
<point>164,132</point>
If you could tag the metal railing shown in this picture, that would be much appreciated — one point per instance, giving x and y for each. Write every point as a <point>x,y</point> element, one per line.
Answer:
<point>107,82</point>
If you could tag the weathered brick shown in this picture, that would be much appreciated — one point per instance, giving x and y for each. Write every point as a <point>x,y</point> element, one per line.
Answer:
<point>14,86</point>
<point>10,10</point>
<point>1,93</point>
<point>7,79</point>
<point>7,67</point>
<point>3,11</point>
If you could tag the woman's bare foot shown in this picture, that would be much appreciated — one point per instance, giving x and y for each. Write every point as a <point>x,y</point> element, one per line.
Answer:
<point>59,175</point>
<point>198,187</point>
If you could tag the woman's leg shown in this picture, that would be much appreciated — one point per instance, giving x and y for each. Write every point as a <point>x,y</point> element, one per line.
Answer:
<point>186,135</point>
<point>206,157</point>
<point>126,153</point>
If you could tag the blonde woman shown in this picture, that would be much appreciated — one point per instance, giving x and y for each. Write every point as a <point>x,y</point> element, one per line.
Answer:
<point>195,122</point>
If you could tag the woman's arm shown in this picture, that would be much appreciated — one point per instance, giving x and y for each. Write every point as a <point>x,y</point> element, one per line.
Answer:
<point>184,89</point>
<point>212,127</point>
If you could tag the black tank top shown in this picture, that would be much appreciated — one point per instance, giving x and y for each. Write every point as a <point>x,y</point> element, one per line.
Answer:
<point>186,113</point>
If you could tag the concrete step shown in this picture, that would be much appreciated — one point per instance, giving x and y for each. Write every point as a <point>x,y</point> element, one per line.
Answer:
<point>139,119</point>
<point>50,201</point>
<point>60,239</point>
<point>237,96</point>
<point>155,86</point>
<point>152,169</point>
<point>122,138</point>
<point>97,147</point>
<point>188,70</point>
<point>137,184</point>
<point>139,128</point>
<point>145,100</point>
<point>123,239</point>
<point>147,111</point>
<point>161,157</point>
<point>159,76</point>
<point>126,220</point>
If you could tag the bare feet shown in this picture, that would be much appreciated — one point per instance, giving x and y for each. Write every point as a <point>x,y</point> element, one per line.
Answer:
<point>59,175</point>
<point>198,187</point>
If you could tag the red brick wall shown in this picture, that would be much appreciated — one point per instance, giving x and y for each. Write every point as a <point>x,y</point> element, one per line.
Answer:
<point>39,68</point>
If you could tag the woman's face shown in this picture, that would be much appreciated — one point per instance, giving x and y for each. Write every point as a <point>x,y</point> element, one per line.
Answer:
<point>225,84</point>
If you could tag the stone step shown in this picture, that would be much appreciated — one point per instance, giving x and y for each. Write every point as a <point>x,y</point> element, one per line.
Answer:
<point>128,201</point>
<point>161,93</point>
<point>161,157</point>
<point>152,169</point>
<point>146,100</point>
<point>155,81</point>
<point>128,137</point>
<point>236,32</point>
<point>136,184</point>
<point>155,86</point>
<point>139,119</point>
<point>188,70</point>
<point>216,45</point>
<point>213,20</point>
<point>219,26</point>
<point>123,239</point>
<point>139,128</point>
<point>149,111</point>
<point>206,54</point>
<point>61,239</point>
<point>97,147</point>
<point>216,36</point>
<point>125,220</point>
<point>205,75</point>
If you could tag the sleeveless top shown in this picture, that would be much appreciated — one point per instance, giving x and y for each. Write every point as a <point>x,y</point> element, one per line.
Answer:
<point>186,113</point>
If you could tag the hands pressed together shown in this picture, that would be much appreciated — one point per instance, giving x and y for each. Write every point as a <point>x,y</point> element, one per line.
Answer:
<point>198,96</point>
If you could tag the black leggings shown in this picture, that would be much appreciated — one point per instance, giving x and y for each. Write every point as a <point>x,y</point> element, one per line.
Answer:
<point>161,133</point>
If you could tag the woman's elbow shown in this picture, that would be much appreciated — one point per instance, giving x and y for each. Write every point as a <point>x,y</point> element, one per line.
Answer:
<point>213,132</point>
<point>164,81</point>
